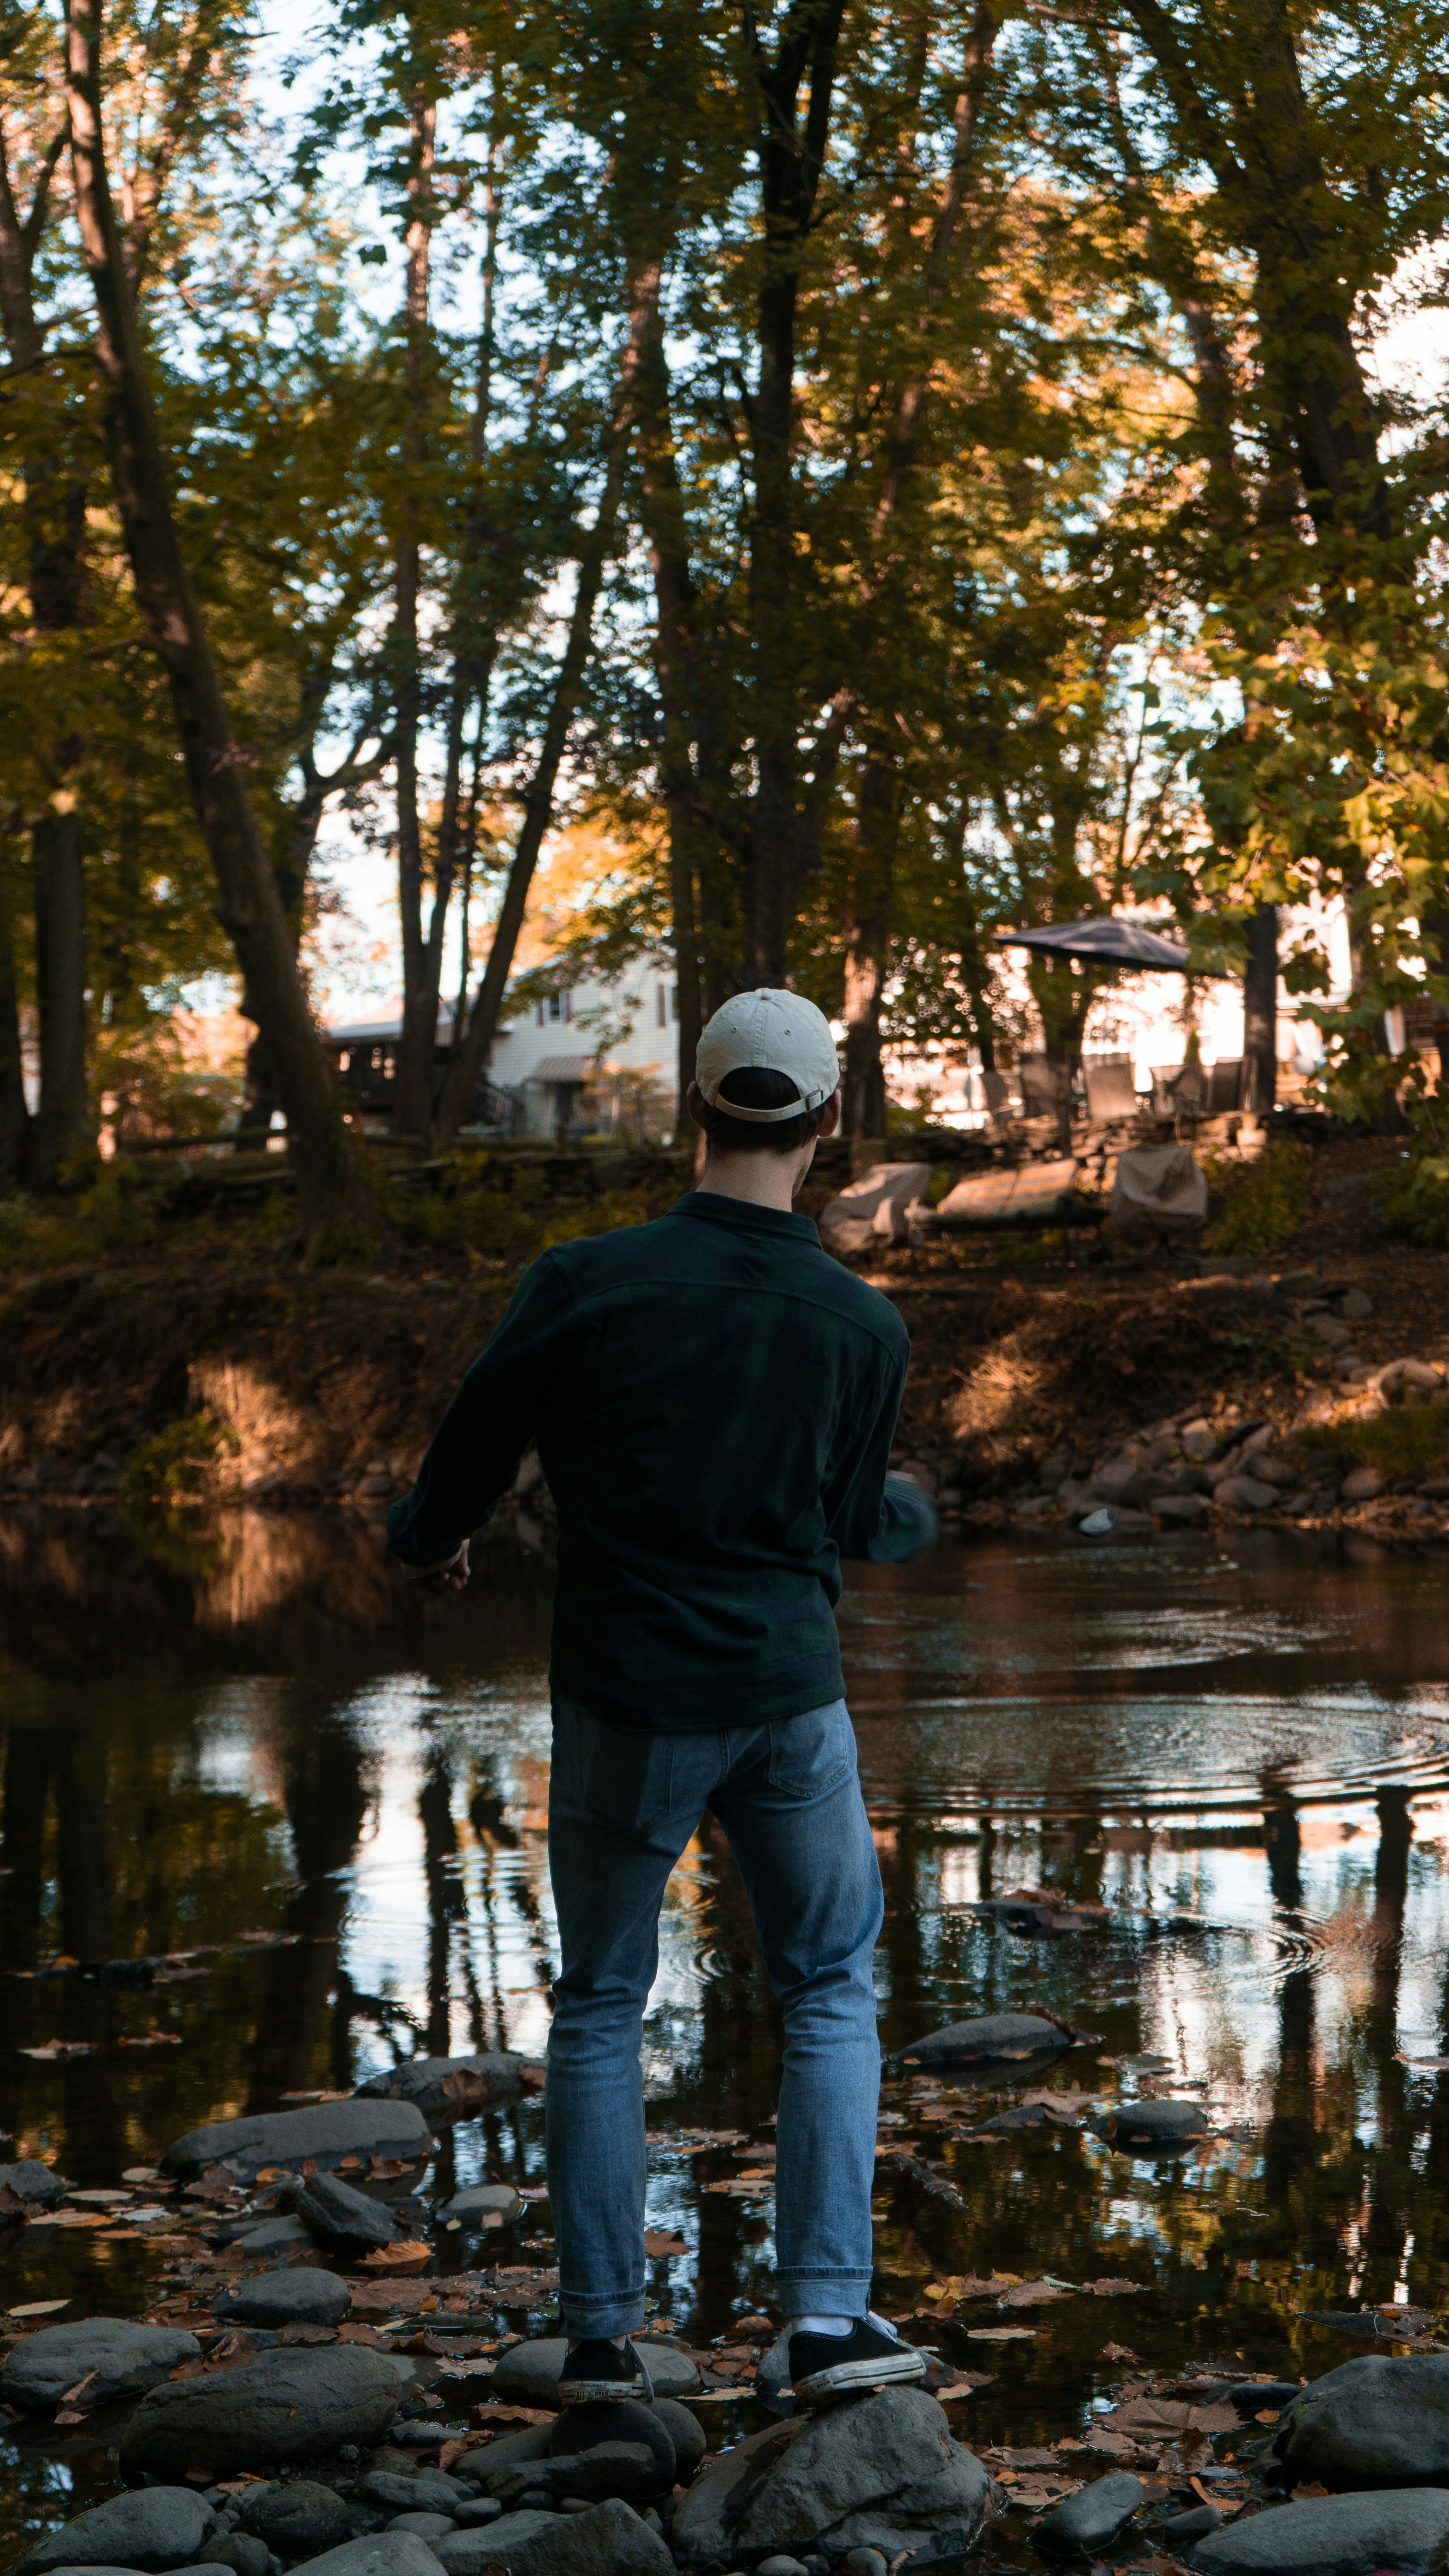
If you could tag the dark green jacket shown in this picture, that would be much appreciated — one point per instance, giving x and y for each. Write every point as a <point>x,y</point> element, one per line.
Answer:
<point>713,1400</point>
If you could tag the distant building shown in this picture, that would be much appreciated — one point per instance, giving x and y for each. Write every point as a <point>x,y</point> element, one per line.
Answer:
<point>592,1060</point>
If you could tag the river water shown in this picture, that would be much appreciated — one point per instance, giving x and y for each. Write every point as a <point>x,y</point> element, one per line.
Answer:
<point>247,1737</point>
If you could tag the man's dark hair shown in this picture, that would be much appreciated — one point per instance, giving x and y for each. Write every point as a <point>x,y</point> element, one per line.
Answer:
<point>758,1086</point>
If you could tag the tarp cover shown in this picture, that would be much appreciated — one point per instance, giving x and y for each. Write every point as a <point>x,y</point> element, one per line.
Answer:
<point>1034,1194</point>
<point>873,1207</point>
<point>1159,1190</point>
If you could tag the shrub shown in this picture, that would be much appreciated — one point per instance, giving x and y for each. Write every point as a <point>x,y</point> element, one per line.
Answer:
<point>1417,1209</point>
<point>1409,1439</point>
<point>177,1465</point>
<point>1263,1202</point>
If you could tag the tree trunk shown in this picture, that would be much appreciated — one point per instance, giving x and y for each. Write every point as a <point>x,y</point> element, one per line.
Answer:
<point>790,167</point>
<point>414,1108</point>
<point>877,819</point>
<point>247,902</point>
<point>594,550</point>
<point>54,517</point>
<point>1260,1012</point>
<point>675,671</point>
<point>62,1128</point>
<point>14,1114</point>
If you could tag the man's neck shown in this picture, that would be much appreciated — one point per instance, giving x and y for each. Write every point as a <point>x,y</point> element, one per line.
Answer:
<point>761,1180</point>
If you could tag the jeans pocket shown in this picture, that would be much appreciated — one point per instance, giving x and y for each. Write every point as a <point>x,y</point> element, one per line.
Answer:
<point>620,1775</point>
<point>812,1753</point>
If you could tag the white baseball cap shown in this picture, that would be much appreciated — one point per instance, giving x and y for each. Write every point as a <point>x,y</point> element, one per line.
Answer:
<point>781,1031</point>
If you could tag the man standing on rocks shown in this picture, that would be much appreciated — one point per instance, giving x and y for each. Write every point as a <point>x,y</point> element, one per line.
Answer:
<point>713,1399</point>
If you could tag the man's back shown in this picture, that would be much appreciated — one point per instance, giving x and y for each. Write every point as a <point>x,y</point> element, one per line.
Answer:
<point>714,1400</point>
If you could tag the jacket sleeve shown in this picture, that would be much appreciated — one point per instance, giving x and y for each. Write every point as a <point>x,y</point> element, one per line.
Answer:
<point>869,1512</point>
<point>473,1456</point>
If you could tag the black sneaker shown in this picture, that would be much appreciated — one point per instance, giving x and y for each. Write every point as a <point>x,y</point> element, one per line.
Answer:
<point>824,2367</point>
<point>597,2370</point>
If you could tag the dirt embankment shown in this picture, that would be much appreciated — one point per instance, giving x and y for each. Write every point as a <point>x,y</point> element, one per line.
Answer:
<point>194,1373</point>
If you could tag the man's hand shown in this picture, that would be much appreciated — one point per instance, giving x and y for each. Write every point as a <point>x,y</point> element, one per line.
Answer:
<point>441,1579</point>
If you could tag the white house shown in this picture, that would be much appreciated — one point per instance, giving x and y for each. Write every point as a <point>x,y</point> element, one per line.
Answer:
<point>595,1059</point>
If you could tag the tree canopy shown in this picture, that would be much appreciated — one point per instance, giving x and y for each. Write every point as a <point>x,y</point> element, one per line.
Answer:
<point>890,471</point>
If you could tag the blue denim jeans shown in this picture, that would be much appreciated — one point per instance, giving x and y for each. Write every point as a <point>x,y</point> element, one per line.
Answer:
<point>623,1803</point>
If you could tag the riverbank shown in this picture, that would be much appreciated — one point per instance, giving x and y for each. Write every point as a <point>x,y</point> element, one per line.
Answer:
<point>196,1363</point>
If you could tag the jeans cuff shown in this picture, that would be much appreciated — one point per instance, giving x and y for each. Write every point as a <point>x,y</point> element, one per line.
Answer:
<point>823,2294</point>
<point>583,2317</point>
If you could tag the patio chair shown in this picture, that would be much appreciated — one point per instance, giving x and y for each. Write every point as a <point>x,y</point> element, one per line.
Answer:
<point>1111,1092</point>
<point>1178,1090</point>
<point>1045,1085</point>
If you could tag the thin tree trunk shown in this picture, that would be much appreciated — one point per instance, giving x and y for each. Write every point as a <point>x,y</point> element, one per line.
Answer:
<point>470,1059</point>
<point>62,1127</point>
<point>247,902</point>
<point>419,1024</point>
<point>877,818</point>
<point>790,167</point>
<point>1260,1011</point>
<point>674,658</point>
<point>54,518</point>
<point>14,1114</point>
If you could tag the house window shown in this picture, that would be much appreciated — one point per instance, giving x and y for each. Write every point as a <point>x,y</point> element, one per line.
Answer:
<point>661,1006</point>
<point>540,1012</point>
<point>558,1006</point>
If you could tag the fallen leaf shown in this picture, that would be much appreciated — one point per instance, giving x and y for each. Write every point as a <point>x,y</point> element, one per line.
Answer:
<point>297,2330</point>
<point>69,2395</point>
<point>1030,2294</point>
<point>1119,2352</point>
<point>491,2416</point>
<point>152,2039</point>
<point>386,2168</point>
<point>1269,2415</point>
<point>408,2256</point>
<point>355,2332</point>
<point>662,2240</point>
<point>1000,2334</point>
<point>1033,2493</point>
<point>56,2048</point>
<point>390,2298</point>
<point>1114,2289</point>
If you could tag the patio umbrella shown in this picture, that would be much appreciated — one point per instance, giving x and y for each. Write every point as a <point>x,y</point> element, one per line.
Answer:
<point>1110,942</point>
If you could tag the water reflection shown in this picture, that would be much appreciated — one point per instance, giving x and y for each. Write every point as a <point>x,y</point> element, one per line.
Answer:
<point>1242,1755</point>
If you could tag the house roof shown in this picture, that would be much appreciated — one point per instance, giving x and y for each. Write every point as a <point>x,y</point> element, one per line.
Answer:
<point>561,1068</point>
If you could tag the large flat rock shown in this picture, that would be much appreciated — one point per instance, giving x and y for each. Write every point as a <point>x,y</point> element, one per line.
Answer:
<point>343,2217</point>
<point>1349,2535</point>
<point>323,2135</point>
<point>879,2472</point>
<point>297,2294</point>
<point>608,2540</point>
<point>989,2036</point>
<point>162,2527</point>
<point>33,2185</point>
<point>300,2519</point>
<point>1092,2518</point>
<point>1373,2422</point>
<point>126,2360</point>
<point>285,2405</point>
<point>387,2553</point>
<point>455,2088</point>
